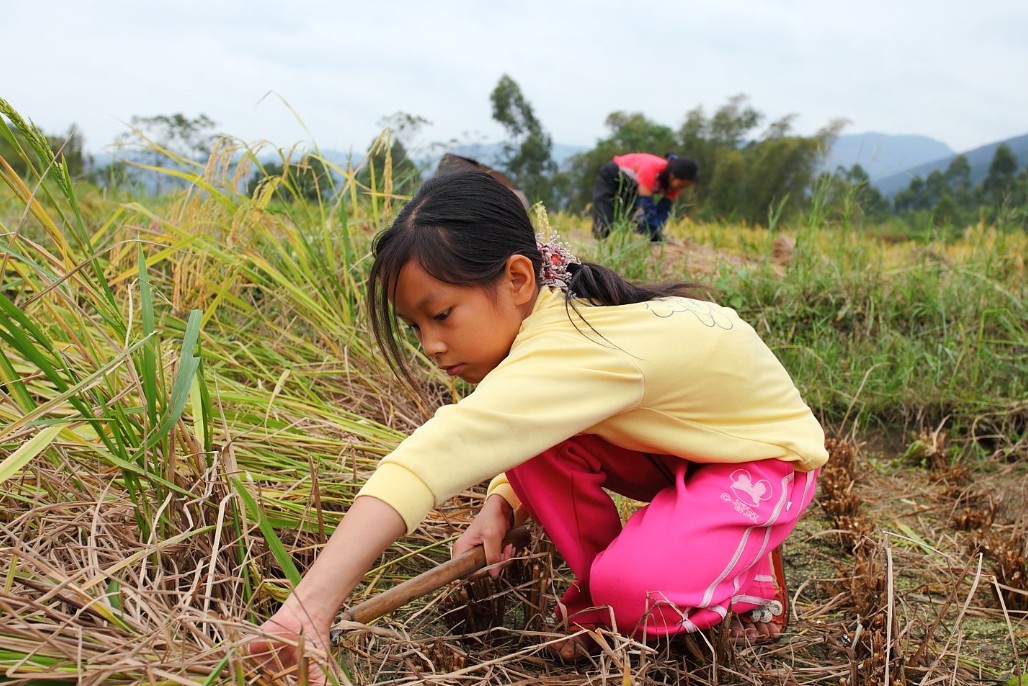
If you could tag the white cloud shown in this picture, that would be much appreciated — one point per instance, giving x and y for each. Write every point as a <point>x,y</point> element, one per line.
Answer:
<point>947,69</point>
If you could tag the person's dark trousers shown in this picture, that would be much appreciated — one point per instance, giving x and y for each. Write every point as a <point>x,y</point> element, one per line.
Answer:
<point>614,196</point>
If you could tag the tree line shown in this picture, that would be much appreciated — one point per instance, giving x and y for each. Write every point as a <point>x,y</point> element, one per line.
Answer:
<point>750,172</point>
<point>757,176</point>
<point>949,197</point>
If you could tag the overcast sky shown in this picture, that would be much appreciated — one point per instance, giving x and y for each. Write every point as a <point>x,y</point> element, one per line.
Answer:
<point>329,71</point>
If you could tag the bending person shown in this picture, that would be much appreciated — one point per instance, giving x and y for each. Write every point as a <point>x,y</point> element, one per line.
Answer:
<point>626,186</point>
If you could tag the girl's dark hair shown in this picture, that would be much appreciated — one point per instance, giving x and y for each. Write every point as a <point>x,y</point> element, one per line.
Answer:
<point>462,228</point>
<point>682,167</point>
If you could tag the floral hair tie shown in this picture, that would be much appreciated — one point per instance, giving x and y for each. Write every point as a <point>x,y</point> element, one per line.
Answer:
<point>556,259</point>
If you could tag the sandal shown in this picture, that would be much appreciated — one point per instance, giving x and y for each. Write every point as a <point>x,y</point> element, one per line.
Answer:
<point>775,612</point>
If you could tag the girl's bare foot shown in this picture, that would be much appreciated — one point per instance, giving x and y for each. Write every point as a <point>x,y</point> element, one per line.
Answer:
<point>746,630</point>
<point>578,646</point>
<point>765,624</point>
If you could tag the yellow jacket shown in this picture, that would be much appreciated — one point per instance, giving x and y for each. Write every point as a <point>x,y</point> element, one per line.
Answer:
<point>672,376</point>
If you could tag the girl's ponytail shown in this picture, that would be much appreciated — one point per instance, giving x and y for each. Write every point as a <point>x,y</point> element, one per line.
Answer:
<point>603,286</point>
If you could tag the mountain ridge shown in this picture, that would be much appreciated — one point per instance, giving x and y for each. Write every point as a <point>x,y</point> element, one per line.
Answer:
<point>883,154</point>
<point>979,159</point>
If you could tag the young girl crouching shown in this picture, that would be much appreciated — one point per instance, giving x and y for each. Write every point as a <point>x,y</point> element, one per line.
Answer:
<point>585,384</point>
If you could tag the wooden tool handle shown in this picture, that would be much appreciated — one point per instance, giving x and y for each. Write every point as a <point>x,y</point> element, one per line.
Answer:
<point>426,582</point>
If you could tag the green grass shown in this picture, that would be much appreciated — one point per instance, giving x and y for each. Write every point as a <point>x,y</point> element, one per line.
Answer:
<point>918,334</point>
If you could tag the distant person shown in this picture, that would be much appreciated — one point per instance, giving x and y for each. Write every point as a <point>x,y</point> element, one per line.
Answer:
<point>629,183</point>
<point>582,390</point>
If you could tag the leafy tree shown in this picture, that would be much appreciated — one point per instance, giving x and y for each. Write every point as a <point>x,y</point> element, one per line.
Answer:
<point>912,198</point>
<point>868,198</point>
<point>1000,179</point>
<point>723,186</point>
<point>960,196</point>
<point>958,174</point>
<point>162,138</point>
<point>949,197</point>
<point>734,120</point>
<point>116,174</point>
<point>947,211</point>
<point>68,148</point>
<point>742,175</point>
<point>778,172</point>
<point>1017,205</point>
<point>923,194</point>
<point>527,156</point>
<point>934,188</point>
<point>387,169</point>
<point>708,140</point>
<point>389,160</point>
<point>850,195</point>
<point>265,172</point>
<point>177,133</point>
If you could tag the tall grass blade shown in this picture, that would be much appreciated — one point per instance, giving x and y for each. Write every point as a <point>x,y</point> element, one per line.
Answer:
<point>189,365</point>
<point>148,372</point>
<point>274,543</point>
<point>28,450</point>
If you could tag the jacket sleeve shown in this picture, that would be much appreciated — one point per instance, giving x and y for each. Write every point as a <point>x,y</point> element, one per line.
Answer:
<point>548,389</point>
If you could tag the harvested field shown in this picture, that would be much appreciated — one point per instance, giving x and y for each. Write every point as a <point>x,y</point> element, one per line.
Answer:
<point>190,398</point>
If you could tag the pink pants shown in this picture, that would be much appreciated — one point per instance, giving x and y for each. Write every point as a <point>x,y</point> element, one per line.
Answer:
<point>700,547</point>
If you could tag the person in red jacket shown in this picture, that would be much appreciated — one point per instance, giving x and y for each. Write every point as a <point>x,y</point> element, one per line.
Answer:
<point>625,188</point>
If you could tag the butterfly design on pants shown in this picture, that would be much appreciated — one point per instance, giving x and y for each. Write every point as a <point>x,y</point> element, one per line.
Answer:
<point>743,484</point>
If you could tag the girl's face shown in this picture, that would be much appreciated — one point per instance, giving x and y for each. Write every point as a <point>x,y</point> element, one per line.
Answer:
<point>466,330</point>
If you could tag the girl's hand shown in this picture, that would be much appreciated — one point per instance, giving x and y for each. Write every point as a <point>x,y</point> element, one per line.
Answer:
<point>296,642</point>
<point>294,647</point>
<point>487,529</point>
